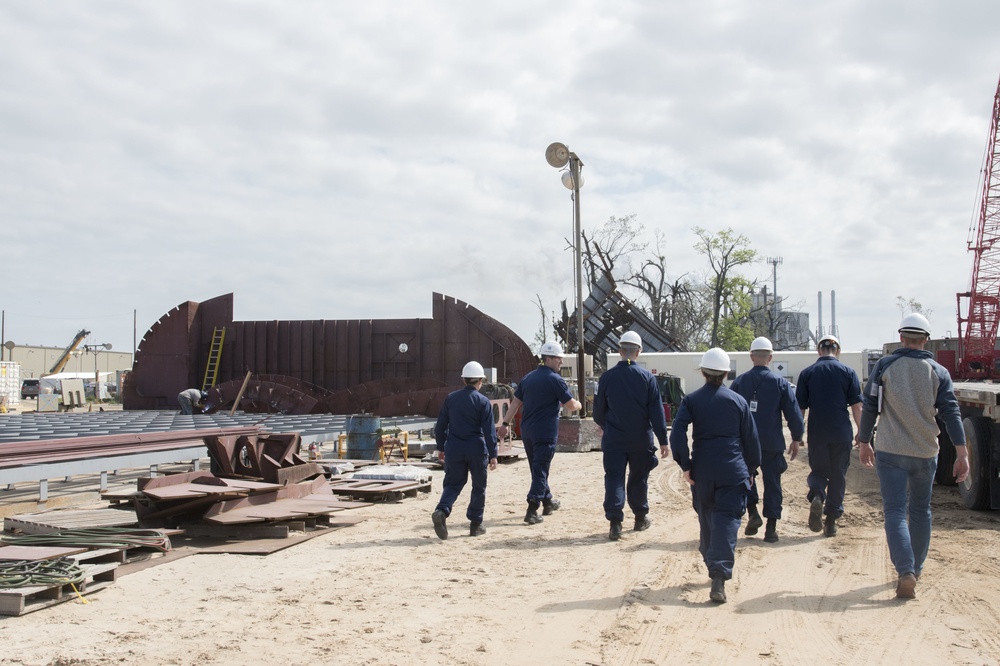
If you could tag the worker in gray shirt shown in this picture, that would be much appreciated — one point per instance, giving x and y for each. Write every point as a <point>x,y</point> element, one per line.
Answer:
<point>906,393</point>
<point>191,399</point>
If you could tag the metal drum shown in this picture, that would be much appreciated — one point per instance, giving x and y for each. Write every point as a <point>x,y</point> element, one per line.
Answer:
<point>363,436</point>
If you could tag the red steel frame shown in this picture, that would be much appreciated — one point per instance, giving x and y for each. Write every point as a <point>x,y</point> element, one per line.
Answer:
<point>979,357</point>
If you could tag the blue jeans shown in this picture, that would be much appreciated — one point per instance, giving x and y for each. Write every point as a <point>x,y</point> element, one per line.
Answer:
<point>539,456</point>
<point>906,493</point>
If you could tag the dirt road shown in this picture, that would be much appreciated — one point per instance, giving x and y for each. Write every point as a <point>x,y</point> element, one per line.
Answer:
<point>387,591</point>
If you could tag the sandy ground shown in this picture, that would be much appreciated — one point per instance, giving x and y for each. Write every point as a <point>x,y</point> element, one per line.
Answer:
<point>387,591</point>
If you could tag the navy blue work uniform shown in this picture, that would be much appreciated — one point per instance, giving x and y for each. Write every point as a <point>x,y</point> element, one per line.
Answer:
<point>827,388</point>
<point>543,392</point>
<point>466,433</point>
<point>628,408</point>
<point>724,449</point>
<point>770,395</point>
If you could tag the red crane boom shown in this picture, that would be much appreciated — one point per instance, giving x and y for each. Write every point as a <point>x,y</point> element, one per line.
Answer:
<point>979,358</point>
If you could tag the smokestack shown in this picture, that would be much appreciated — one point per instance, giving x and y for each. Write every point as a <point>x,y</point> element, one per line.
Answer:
<point>819,319</point>
<point>833,312</point>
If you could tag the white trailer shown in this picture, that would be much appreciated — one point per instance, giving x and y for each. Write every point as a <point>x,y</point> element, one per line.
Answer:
<point>981,418</point>
<point>788,364</point>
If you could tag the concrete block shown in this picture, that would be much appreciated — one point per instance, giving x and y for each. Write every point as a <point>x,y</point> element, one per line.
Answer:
<point>577,436</point>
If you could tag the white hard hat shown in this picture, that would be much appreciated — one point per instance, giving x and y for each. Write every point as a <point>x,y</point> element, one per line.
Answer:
<point>715,359</point>
<point>473,370</point>
<point>761,344</point>
<point>551,349</point>
<point>915,323</point>
<point>828,340</point>
<point>630,338</point>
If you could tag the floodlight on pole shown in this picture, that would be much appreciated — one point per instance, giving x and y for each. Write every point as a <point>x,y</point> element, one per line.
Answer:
<point>95,350</point>
<point>558,156</point>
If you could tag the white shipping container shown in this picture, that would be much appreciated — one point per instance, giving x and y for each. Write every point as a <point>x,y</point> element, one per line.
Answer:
<point>10,381</point>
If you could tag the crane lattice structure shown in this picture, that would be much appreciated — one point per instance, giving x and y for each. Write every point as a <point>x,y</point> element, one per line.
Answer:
<point>979,357</point>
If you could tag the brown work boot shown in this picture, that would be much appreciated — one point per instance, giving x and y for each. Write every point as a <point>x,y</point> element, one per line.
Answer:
<point>906,586</point>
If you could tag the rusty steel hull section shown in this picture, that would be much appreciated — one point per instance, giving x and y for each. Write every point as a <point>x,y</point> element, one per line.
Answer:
<point>390,367</point>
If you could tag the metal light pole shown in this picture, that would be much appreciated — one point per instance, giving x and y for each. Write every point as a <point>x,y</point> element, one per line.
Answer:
<point>558,155</point>
<point>96,349</point>
<point>775,262</point>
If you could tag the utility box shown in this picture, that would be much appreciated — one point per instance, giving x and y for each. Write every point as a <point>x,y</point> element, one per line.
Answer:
<point>569,366</point>
<point>47,402</point>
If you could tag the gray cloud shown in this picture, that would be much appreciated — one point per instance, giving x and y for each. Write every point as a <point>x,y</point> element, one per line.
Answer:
<point>337,161</point>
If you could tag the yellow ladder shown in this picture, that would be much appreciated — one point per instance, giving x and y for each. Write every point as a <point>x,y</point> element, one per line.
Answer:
<point>214,354</point>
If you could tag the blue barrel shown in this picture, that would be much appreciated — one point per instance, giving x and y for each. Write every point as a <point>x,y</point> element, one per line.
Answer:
<point>363,436</point>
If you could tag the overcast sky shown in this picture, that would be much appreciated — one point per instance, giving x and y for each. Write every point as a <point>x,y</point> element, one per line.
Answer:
<point>335,160</point>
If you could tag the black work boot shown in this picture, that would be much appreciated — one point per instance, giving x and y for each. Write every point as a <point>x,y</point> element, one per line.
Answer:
<point>771,531</point>
<point>476,529</point>
<point>718,593</point>
<point>550,505</point>
<point>816,514</point>
<point>532,517</point>
<point>754,522</point>
<point>440,528</point>
<point>616,530</point>
<point>642,523</point>
<point>830,526</point>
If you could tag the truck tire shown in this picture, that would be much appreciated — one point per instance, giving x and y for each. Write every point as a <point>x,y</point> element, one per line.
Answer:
<point>946,458</point>
<point>975,490</point>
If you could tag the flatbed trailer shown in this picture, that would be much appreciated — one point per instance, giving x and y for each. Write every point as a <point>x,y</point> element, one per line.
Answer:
<point>980,405</point>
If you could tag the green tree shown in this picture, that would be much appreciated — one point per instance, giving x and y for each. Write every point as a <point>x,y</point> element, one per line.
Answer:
<point>736,330</point>
<point>725,251</point>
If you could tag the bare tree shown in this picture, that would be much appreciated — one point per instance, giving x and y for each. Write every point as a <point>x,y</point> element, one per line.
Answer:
<point>541,335</point>
<point>616,240</point>
<point>676,305</point>
<point>910,305</point>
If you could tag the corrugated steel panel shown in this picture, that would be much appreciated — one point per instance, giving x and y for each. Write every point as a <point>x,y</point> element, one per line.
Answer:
<point>332,355</point>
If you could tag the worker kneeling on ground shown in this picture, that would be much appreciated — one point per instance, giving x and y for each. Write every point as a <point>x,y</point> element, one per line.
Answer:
<point>466,444</point>
<point>629,410</point>
<point>724,449</point>
<point>769,395</point>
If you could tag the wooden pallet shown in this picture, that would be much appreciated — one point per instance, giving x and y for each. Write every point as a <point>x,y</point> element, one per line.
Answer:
<point>69,519</point>
<point>378,490</point>
<point>21,600</point>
